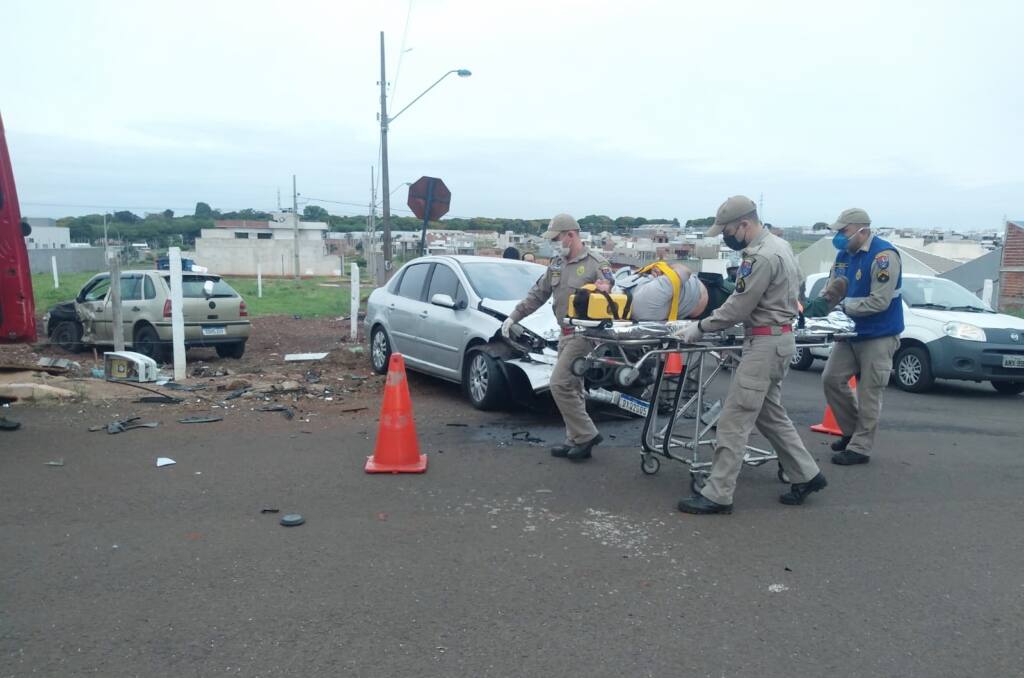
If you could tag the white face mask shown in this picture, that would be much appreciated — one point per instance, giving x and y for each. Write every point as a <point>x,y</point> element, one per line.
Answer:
<point>563,249</point>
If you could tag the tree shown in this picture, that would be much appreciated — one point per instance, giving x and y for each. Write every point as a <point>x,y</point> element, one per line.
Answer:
<point>203,211</point>
<point>819,226</point>
<point>315,213</point>
<point>706,221</point>
<point>168,214</point>
<point>126,217</point>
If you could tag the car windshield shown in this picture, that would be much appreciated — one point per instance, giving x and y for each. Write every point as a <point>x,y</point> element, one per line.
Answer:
<point>502,280</point>
<point>941,294</point>
<point>192,286</point>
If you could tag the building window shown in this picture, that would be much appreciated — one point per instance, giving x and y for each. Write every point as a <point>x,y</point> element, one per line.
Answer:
<point>241,236</point>
<point>264,236</point>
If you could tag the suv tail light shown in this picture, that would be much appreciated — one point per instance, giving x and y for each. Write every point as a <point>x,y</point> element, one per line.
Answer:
<point>243,310</point>
<point>167,308</point>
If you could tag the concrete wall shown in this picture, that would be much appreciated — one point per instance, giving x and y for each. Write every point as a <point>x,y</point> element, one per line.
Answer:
<point>73,260</point>
<point>47,237</point>
<point>239,257</point>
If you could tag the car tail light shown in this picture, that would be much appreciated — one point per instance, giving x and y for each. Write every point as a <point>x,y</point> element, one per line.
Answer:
<point>243,311</point>
<point>167,308</point>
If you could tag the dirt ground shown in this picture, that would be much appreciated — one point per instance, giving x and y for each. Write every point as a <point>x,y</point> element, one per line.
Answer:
<point>340,382</point>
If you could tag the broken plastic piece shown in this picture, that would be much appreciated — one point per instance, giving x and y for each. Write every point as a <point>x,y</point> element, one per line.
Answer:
<point>292,520</point>
<point>298,357</point>
<point>269,510</point>
<point>55,462</point>
<point>164,461</point>
<point>199,420</point>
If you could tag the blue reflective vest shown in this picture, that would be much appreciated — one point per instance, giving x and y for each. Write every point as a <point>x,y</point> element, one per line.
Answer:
<point>857,269</point>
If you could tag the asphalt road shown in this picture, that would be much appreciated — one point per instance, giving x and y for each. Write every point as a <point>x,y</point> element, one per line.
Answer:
<point>501,561</point>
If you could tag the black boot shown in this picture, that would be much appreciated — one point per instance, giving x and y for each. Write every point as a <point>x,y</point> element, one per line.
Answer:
<point>582,451</point>
<point>701,505</point>
<point>849,458</point>
<point>799,491</point>
<point>560,451</point>
<point>840,445</point>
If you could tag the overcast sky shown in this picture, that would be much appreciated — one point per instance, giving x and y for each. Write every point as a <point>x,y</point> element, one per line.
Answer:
<point>911,110</point>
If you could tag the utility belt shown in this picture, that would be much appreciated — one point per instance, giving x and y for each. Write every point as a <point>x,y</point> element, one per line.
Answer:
<point>769,330</point>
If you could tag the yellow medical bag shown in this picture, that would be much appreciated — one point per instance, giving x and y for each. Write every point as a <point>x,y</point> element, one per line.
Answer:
<point>588,303</point>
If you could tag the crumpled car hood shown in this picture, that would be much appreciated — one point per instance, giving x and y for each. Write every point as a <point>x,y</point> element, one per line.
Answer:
<point>541,321</point>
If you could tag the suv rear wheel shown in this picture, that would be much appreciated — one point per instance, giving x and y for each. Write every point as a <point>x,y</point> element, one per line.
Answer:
<point>147,342</point>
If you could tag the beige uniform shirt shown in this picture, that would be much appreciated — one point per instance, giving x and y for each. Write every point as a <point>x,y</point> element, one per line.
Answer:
<point>562,278</point>
<point>883,284</point>
<point>767,287</point>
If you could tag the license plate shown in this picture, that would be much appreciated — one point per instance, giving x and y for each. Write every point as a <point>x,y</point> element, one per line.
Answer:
<point>214,331</point>
<point>1013,361</point>
<point>634,405</point>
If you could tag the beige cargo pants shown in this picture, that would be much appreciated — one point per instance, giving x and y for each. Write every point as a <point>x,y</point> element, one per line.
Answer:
<point>871,361</point>
<point>755,399</point>
<point>567,390</point>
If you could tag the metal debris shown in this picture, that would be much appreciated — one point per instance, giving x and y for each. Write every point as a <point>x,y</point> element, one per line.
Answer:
<point>299,357</point>
<point>122,425</point>
<point>199,420</point>
<point>287,411</point>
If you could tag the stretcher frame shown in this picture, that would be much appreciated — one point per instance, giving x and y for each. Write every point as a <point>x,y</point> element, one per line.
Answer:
<point>663,435</point>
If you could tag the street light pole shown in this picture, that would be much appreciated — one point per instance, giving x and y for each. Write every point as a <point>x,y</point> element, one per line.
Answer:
<point>295,229</point>
<point>386,219</point>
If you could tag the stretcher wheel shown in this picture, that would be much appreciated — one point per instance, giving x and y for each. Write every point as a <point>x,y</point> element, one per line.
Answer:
<point>649,464</point>
<point>697,481</point>
<point>578,367</point>
<point>783,478</point>
<point>626,376</point>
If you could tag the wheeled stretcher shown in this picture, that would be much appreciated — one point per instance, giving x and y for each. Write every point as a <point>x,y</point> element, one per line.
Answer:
<point>677,401</point>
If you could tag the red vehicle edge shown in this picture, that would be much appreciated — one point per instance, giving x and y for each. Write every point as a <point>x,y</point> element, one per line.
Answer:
<point>17,305</point>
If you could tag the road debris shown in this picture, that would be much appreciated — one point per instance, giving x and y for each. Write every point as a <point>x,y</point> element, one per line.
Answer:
<point>268,509</point>
<point>56,462</point>
<point>353,409</point>
<point>199,420</point>
<point>160,399</point>
<point>525,436</point>
<point>287,411</point>
<point>9,425</point>
<point>122,425</point>
<point>292,520</point>
<point>164,461</point>
<point>300,357</point>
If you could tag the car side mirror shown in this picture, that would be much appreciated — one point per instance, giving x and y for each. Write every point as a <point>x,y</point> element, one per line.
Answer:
<point>443,300</point>
<point>26,229</point>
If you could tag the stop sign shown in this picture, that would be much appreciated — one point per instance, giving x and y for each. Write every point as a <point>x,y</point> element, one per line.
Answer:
<point>429,194</point>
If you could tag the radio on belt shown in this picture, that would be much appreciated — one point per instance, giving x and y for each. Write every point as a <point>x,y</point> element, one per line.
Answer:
<point>129,366</point>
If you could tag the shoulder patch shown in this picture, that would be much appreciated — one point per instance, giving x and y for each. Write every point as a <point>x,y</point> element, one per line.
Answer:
<point>883,276</point>
<point>882,261</point>
<point>581,269</point>
<point>741,284</point>
<point>745,269</point>
<point>556,264</point>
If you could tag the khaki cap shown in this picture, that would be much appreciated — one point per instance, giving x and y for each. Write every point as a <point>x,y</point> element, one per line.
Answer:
<point>854,215</point>
<point>560,223</point>
<point>733,209</point>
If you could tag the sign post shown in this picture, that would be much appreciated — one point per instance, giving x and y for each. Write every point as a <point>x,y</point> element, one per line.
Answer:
<point>177,314</point>
<point>353,331</point>
<point>429,199</point>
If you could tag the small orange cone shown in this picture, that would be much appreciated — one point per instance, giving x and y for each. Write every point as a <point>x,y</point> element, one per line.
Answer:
<point>829,424</point>
<point>674,364</point>
<point>397,450</point>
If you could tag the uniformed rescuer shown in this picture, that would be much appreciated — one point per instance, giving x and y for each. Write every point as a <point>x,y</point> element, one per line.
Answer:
<point>872,272</point>
<point>573,267</point>
<point>765,301</point>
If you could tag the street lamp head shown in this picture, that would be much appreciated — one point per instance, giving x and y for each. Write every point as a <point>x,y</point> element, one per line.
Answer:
<point>464,72</point>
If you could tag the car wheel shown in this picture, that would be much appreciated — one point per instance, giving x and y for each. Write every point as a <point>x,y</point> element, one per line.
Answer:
<point>235,350</point>
<point>802,359</point>
<point>1009,387</point>
<point>68,335</point>
<point>380,350</point>
<point>147,342</point>
<point>913,369</point>
<point>483,381</point>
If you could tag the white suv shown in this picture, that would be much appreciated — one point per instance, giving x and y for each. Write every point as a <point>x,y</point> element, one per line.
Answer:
<point>949,334</point>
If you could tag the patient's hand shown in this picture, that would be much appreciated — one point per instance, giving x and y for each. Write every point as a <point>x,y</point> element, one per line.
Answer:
<point>603,285</point>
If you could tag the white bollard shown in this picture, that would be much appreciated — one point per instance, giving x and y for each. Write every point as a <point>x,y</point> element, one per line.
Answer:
<point>259,281</point>
<point>353,331</point>
<point>56,278</point>
<point>986,292</point>
<point>177,314</point>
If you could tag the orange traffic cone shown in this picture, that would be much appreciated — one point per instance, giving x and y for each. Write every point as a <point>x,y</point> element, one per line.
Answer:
<point>397,450</point>
<point>674,364</point>
<point>829,424</point>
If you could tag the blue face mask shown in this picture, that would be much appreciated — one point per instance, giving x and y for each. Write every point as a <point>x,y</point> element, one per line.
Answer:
<point>841,241</point>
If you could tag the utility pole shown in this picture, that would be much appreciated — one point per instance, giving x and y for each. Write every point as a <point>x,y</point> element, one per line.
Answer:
<point>106,244</point>
<point>279,200</point>
<point>386,195</point>
<point>295,222</point>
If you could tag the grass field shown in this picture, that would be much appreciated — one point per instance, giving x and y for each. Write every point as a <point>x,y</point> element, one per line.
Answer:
<point>307,297</point>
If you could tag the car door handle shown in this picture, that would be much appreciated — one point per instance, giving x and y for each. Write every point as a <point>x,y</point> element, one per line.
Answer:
<point>424,314</point>
<point>136,309</point>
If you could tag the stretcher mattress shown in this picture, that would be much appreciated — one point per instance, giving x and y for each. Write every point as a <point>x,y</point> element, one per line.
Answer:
<point>835,324</point>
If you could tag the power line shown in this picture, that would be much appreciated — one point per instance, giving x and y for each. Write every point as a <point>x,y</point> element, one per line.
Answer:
<point>401,53</point>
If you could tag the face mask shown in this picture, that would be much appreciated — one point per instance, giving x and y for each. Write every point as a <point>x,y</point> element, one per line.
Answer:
<point>733,242</point>
<point>841,241</point>
<point>563,249</point>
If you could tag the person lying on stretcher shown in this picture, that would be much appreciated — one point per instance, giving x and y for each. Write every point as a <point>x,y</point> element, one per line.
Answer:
<point>663,291</point>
